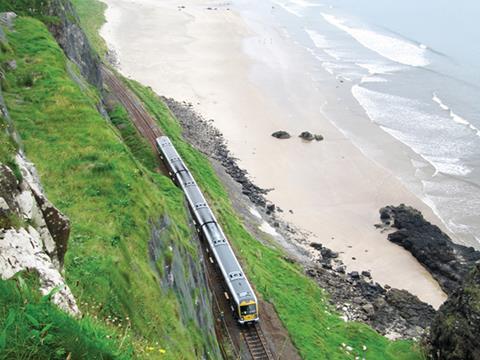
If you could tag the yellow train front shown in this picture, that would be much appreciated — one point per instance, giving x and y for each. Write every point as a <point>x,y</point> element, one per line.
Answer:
<point>248,311</point>
<point>243,300</point>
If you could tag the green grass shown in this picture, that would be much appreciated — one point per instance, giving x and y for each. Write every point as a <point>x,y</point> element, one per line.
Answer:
<point>31,327</point>
<point>92,18</point>
<point>8,147</point>
<point>316,330</point>
<point>139,147</point>
<point>94,178</point>
<point>35,8</point>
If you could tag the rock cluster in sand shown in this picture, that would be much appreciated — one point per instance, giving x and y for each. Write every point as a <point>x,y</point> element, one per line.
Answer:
<point>304,135</point>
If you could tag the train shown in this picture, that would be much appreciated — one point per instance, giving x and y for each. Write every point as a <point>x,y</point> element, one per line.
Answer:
<point>243,300</point>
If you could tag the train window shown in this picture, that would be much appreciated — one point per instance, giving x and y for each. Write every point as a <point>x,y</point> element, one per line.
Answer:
<point>248,309</point>
<point>235,275</point>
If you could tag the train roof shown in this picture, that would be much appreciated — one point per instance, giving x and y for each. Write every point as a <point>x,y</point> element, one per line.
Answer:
<point>226,259</point>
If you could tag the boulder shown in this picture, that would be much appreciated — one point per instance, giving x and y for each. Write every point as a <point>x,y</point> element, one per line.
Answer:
<point>354,275</point>
<point>366,274</point>
<point>448,262</point>
<point>281,134</point>
<point>455,330</point>
<point>328,254</point>
<point>270,207</point>
<point>369,309</point>
<point>306,135</point>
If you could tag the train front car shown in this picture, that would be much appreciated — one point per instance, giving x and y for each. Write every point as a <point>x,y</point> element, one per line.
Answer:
<point>243,299</point>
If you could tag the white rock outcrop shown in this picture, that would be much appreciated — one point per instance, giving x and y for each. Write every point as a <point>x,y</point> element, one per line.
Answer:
<point>38,241</point>
<point>23,249</point>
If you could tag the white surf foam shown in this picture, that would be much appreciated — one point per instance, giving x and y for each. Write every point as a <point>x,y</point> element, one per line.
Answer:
<point>373,79</point>
<point>318,39</point>
<point>374,68</point>
<point>289,8</point>
<point>455,117</point>
<point>429,135</point>
<point>303,3</point>
<point>323,44</point>
<point>390,47</point>
<point>436,99</point>
<point>296,7</point>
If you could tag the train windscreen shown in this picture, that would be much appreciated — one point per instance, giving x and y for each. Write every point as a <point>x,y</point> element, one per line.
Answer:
<point>248,309</point>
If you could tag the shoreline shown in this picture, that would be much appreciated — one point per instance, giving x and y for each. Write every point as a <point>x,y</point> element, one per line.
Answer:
<point>344,208</point>
<point>355,294</point>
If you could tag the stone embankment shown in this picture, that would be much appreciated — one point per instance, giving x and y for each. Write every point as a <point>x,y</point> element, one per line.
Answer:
<point>392,312</point>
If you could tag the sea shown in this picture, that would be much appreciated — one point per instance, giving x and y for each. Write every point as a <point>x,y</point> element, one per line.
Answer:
<point>413,67</point>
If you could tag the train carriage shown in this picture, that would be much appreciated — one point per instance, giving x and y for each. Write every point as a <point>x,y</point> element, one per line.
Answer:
<point>242,296</point>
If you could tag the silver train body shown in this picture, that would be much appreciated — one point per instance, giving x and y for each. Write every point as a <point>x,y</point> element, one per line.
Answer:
<point>241,295</point>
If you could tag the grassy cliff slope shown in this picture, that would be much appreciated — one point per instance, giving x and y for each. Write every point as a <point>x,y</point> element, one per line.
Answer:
<point>93,177</point>
<point>315,328</point>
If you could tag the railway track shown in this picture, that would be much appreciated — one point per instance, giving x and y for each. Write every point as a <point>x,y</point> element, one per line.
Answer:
<point>145,124</point>
<point>148,128</point>
<point>256,342</point>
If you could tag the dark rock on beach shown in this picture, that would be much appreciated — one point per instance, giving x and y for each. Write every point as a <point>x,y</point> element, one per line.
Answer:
<point>281,134</point>
<point>448,262</point>
<point>455,330</point>
<point>308,136</point>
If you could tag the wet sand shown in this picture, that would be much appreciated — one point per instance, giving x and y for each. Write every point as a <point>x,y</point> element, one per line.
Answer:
<point>215,60</point>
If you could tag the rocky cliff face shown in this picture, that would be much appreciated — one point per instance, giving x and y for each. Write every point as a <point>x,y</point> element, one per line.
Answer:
<point>73,40</point>
<point>64,24</point>
<point>179,271</point>
<point>456,329</point>
<point>448,262</point>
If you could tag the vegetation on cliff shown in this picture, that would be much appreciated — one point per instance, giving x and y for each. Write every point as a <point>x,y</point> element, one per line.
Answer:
<point>455,330</point>
<point>90,174</point>
<point>32,327</point>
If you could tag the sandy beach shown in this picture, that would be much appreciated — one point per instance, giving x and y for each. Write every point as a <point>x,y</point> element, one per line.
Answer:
<point>252,81</point>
